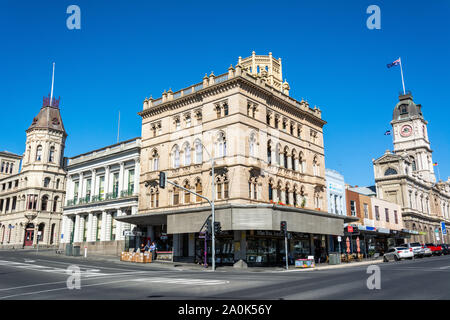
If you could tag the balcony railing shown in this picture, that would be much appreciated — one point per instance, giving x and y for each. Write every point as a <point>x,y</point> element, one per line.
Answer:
<point>100,197</point>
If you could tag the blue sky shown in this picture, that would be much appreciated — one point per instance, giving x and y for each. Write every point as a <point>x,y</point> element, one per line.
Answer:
<point>129,50</point>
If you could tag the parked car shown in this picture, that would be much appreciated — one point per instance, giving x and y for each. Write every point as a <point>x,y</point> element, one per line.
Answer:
<point>398,253</point>
<point>417,248</point>
<point>427,251</point>
<point>445,248</point>
<point>435,249</point>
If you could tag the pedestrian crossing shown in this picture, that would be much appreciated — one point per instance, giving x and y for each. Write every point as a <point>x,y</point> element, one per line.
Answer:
<point>34,267</point>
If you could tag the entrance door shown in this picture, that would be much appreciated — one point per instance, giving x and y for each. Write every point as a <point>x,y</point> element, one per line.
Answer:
<point>185,244</point>
<point>29,237</point>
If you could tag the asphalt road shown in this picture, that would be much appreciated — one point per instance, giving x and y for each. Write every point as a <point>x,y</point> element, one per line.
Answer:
<point>25,275</point>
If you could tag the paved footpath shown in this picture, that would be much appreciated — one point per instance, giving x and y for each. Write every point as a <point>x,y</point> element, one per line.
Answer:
<point>27,275</point>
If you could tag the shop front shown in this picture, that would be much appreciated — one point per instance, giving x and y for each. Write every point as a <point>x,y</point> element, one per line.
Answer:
<point>250,233</point>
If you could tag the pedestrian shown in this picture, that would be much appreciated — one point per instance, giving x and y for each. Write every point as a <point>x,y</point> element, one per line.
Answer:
<point>153,250</point>
<point>142,248</point>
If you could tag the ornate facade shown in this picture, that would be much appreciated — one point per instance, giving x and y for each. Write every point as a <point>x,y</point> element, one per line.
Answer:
<point>32,200</point>
<point>268,150</point>
<point>406,176</point>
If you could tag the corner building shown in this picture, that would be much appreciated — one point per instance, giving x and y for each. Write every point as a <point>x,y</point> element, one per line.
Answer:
<point>31,200</point>
<point>269,167</point>
<point>406,176</point>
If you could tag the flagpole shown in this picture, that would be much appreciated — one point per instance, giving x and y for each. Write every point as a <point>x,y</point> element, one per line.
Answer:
<point>401,71</point>
<point>53,81</point>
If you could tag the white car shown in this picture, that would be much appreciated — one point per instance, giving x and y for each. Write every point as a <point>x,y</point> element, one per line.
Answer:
<point>398,253</point>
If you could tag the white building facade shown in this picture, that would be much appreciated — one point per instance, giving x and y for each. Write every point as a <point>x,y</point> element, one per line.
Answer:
<point>335,192</point>
<point>102,185</point>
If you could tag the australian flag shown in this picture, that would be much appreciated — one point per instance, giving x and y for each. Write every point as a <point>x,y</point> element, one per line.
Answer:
<point>387,133</point>
<point>395,63</point>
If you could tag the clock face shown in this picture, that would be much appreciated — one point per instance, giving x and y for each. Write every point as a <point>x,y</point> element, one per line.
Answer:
<point>406,131</point>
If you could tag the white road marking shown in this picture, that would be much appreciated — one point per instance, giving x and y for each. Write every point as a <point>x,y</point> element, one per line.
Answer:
<point>198,282</point>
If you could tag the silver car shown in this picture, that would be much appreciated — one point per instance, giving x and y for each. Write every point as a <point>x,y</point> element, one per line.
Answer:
<point>418,249</point>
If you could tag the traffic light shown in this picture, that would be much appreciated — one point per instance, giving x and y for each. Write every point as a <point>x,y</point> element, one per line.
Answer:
<point>217,227</point>
<point>283,227</point>
<point>162,179</point>
<point>208,226</point>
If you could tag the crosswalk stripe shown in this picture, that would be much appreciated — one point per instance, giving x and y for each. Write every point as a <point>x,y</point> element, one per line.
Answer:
<point>184,281</point>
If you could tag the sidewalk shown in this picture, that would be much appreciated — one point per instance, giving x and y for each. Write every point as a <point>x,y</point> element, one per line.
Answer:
<point>192,266</point>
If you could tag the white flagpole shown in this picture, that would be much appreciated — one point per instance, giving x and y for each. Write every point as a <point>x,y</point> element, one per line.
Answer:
<point>53,81</point>
<point>401,71</point>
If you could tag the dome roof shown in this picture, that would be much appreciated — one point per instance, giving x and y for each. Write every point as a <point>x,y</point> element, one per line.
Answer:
<point>48,117</point>
<point>406,108</point>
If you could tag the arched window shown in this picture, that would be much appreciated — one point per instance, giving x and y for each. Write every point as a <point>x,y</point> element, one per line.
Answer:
<point>269,153</point>
<point>198,189</point>
<point>293,161</point>
<point>176,196</point>
<point>55,203</point>
<point>390,171</point>
<point>176,156</point>
<point>187,195</point>
<point>155,158</point>
<point>301,162</point>
<point>39,153</point>
<point>7,167</point>
<point>287,193</point>
<point>46,182</point>
<point>252,145</point>
<point>198,152</point>
<point>270,191</point>
<point>41,229</point>
<point>52,233</point>
<point>315,166</point>
<point>414,166</point>
<point>51,155</point>
<point>294,196</point>
<point>187,154</point>
<point>285,158</point>
<point>44,202</point>
<point>221,145</point>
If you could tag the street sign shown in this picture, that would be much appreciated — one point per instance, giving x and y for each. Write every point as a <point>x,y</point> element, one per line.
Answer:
<point>339,239</point>
<point>350,229</point>
<point>39,233</point>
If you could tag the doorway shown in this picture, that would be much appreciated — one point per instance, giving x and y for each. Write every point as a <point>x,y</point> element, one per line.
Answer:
<point>29,237</point>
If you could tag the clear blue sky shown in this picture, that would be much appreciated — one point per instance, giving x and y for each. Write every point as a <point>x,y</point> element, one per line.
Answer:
<point>128,50</point>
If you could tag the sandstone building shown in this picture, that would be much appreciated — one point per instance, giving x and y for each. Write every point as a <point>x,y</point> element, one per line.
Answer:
<point>269,167</point>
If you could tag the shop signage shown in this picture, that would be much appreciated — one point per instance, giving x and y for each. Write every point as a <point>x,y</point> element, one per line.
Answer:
<point>367,228</point>
<point>132,233</point>
<point>349,229</point>
<point>383,230</point>
<point>164,255</point>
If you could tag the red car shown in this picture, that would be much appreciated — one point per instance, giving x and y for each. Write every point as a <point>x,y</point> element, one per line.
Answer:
<point>435,248</point>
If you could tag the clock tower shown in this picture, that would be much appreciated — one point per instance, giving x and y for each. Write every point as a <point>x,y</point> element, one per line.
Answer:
<point>411,138</point>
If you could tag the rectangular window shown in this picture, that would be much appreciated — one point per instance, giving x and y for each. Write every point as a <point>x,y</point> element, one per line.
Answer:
<point>85,230</point>
<point>366,210</point>
<point>101,187</point>
<point>131,181</point>
<point>75,190</point>
<point>115,185</point>
<point>377,213</point>
<point>219,191</point>
<point>386,210</point>
<point>88,188</point>
<point>176,197</point>
<point>353,208</point>
<point>225,191</point>
<point>395,217</point>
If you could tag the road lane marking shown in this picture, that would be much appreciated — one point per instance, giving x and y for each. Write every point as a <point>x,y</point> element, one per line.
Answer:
<point>198,282</point>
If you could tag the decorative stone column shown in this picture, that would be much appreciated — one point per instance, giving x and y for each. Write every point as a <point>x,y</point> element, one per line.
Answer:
<point>119,226</point>
<point>89,229</point>
<point>94,227</point>
<point>296,164</point>
<point>103,227</point>
<point>77,228</point>
<point>289,162</point>
<point>291,198</point>
<point>281,160</point>
<point>283,196</point>
<point>108,226</point>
